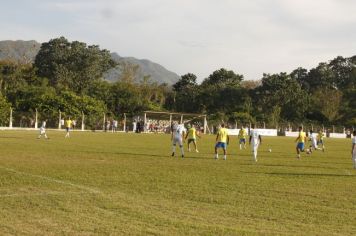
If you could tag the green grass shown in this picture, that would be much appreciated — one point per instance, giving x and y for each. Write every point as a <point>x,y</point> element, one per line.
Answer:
<point>124,184</point>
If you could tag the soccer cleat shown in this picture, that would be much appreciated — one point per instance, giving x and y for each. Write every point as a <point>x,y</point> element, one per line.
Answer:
<point>196,151</point>
<point>172,154</point>
<point>182,156</point>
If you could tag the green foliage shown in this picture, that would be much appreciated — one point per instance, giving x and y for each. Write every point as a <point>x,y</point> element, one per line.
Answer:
<point>327,101</point>
<point>72,65</point>
<point>242,117</point>
<point>4,111</point>
<point>67,77</point>
<point>280,90</point>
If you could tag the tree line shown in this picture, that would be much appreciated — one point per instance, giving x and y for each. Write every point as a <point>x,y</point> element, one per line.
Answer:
<point>68,76</point>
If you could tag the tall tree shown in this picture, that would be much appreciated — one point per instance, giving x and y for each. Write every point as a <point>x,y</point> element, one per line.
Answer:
<point>328,101</point>
<point>223,78</point>
<point>280,90</point>
<point>72,65</point>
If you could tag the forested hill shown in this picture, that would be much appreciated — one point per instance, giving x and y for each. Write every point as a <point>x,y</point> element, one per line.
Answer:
<point>21,51</point>
<point>145,67</point>
<point>26,51</point>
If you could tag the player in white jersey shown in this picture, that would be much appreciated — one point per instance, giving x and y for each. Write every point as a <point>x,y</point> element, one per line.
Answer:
<point>43,130</point>
<point>353,149</point>
<point>314,141</point>
<point>255,140</point>
<point>178,132</point>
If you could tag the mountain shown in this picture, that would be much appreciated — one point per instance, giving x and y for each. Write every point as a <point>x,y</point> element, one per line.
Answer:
<point>21,51</point>
<point>26,51</point>
<point>156,72</point>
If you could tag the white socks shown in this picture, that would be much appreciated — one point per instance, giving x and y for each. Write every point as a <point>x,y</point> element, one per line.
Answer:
<point>217,156</point>
<point>255,156</point>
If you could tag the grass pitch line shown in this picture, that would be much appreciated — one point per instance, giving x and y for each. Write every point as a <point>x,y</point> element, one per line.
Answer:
<point>49,193</point>
<point>88,189</point>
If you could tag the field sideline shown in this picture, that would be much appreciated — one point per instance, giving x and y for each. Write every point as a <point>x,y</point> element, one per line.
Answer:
<point>124,184</point>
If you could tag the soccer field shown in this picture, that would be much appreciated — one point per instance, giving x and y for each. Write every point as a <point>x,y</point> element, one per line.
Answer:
<point>121,184</point>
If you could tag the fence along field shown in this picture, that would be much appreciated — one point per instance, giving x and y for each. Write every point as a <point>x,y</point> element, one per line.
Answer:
<point>118,183</point>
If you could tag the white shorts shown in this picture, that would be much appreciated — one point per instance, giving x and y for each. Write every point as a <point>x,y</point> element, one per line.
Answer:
<point>42,131</point>
<point>178,140</point>
<point>314,144</point>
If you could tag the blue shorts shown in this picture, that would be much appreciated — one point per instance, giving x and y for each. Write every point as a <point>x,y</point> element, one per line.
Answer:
<point>242,140</point>
<point>221,145</point>
<point>300,146</point>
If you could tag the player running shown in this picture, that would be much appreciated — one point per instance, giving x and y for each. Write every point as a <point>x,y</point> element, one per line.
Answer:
<point>242,137</point>
<point>301,140</point>
<point>321,139</point>
<point>192,137</point>
<point>177,136</point>
<point>43,130</point>
<point>353,149</point>
<point>222,140</point>
<point>255,140</point>
<point>314,141</point>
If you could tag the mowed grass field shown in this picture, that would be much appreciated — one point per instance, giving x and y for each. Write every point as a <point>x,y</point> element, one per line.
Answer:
<point>128,184</point>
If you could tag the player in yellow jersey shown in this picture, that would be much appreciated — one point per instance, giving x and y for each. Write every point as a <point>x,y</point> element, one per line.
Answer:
<point>321,139</point>
<point>242,137</point>
<point>222,140</point>
<point>301,140</point>
<point>192,137</point>
<point>68,125</point>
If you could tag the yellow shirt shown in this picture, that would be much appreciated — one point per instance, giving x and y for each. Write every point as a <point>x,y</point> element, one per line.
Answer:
<point>242,133</point>
<point>192,133</point>
<point>302,136</point>
<point>222,135</point>
<point>69,123</point>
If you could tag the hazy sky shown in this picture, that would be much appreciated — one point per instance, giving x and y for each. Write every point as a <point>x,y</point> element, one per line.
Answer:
<point>198,36</point>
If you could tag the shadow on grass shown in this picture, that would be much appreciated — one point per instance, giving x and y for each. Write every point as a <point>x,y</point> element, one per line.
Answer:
<point>10,137</point>
<point>303,174</point>
<point>298,166</point>
<point>146,155</point>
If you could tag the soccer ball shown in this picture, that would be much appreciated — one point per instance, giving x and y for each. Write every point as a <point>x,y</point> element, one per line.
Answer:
<point>270,150</point>
<point>308,151</point>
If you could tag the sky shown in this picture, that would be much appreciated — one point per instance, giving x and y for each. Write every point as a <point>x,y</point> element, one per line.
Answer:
<point>250,37</point>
